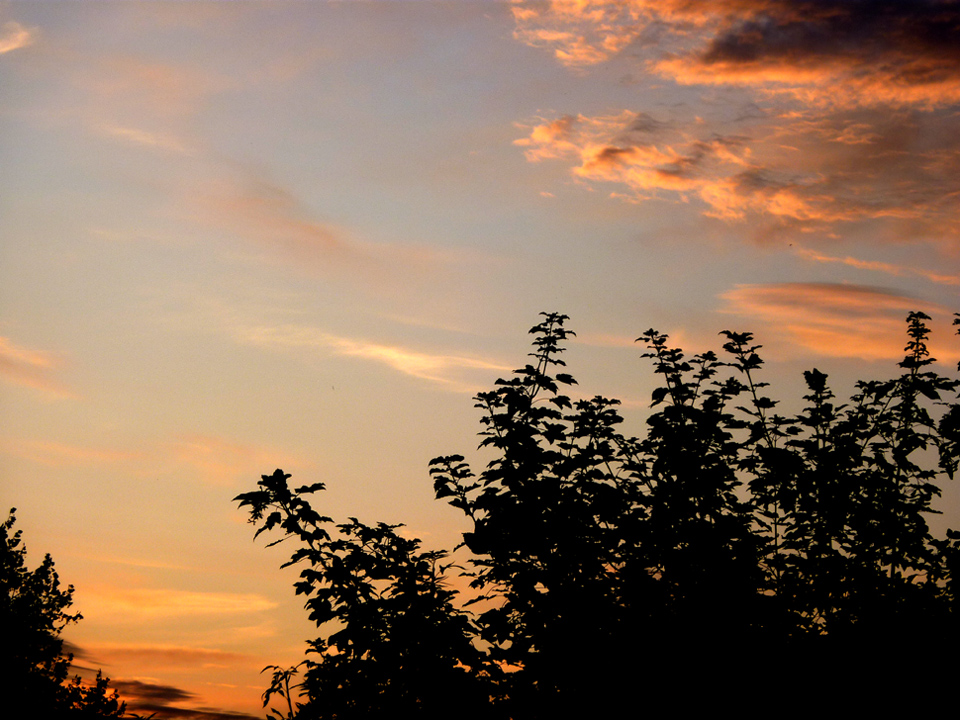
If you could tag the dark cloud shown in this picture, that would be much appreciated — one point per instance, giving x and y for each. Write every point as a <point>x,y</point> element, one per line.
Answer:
<point>850,53</point>
<point>838,52</point>
<point>78,652</point>
<point>869,30</point>
<point>166,712</point>
<point>140,691</point>
<point>645,123</point>
<point>153,699</point>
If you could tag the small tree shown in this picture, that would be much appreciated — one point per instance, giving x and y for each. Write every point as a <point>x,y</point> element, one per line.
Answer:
<point>34,610</point>
<point>730,542</point>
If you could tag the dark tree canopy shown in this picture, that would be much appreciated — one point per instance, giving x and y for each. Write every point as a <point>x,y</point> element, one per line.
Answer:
<point>34,610</point>
<point>729,545</point>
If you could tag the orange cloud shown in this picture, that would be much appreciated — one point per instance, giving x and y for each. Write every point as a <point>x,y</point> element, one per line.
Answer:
<point>222,462</point>
<point>831,82</point>
<point>32,368</point>
<point>14,36</point>
<point>580,32</point>
<point>851,54</point>
<point>272,216</point>
<point>877,266</point>
<point>719,171</point>
<point>849,321</point>
<point>445,370</point>
<point>136,136</point>
<point>126,86</point>
<point>799,170</point>
<point>268,215</point>
<point>550,140</point>
<point>162,656</point>
<point>145,605</point>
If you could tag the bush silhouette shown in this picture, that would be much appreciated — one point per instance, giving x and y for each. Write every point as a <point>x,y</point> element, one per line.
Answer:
<point>34,610</point>
<point>729,545</point>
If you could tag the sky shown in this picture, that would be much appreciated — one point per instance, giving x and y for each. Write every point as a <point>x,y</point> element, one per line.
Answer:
<point>237,236</point>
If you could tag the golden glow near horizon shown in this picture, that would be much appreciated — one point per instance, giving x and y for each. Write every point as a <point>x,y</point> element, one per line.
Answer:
<point>242,236</point>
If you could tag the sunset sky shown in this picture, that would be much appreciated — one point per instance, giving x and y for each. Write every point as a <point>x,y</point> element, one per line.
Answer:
<point>237,236</point>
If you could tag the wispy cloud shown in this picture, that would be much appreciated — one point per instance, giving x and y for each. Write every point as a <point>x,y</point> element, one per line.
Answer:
<point>57,454</point>
<point>142,605</point>
<point>32,368</point>
<point>207,457</point>
<point>163,657</point>
<point>140,563</point>
<point>136,692</point>
<point>271,216</point>
<point>124,87</point>
<point>443,369</point>
<point>14,36</point>
<point>878,266</point>
<point>136,136</point>
<point>848,321</point>
<point>222,462</point>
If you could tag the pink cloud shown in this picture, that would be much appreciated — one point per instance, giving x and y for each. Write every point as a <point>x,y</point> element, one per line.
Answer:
<point>446,370</point>
<point>878,266</point>
<point>223,462</point>
<point>847,321</point>
<point>31,368</point>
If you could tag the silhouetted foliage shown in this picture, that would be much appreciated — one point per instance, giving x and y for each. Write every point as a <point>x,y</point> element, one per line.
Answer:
<point>34,610</point>
<point>730,544</point>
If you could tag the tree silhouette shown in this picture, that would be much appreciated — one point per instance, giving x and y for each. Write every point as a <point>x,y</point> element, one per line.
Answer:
<point>34,610</point>
<point>729,542</point>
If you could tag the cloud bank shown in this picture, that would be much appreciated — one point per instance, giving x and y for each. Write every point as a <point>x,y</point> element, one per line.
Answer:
<point>798,171</point>
<point>849,53</point>
<point>852,124</point>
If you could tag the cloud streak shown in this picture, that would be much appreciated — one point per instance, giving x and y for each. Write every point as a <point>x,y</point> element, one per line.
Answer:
<point>157,140</point>
<point>164,656</point>
<point>31,368</point>
<point>878,266</point>
<point>157,699</point>
<point>222,462</point>
<point>145,605</point>
<point>442,369</point>
<point>844,321</point>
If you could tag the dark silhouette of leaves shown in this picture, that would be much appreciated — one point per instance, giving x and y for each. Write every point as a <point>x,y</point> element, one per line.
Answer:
<point>34,610</point>
<point>728,544</point>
